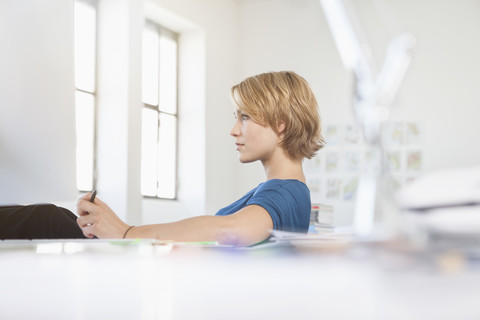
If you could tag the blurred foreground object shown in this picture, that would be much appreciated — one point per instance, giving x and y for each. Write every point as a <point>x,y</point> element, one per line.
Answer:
<point>442,209</point>
<point>373,94</point>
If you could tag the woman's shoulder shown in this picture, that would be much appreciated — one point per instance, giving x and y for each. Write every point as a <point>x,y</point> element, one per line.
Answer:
<point>285,184</point>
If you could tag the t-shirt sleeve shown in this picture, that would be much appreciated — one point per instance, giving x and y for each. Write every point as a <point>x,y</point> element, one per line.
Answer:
<point>288,205</point>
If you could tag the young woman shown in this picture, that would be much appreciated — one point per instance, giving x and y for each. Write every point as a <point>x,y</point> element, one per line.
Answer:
<point>277,123</point>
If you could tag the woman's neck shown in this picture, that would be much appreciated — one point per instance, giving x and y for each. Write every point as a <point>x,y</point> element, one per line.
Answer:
<point>284,168</point>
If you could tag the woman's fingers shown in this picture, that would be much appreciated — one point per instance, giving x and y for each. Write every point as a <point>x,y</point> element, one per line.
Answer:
<point>83,201</point>
<point>86,231</point>
<point>86,224</point>
<point>84,206</point>
<point>85,221</point>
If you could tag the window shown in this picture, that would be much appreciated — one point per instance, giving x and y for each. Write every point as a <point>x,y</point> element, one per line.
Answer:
<point>159,114</point>
<point>85,70</point>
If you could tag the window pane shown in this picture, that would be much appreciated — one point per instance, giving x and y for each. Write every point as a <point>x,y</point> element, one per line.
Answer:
<point>150,67</point>
<point>149,152</point>
<point>167,156</point>
<point>85,124</point>
<point>85,37</point>
<point>168,74</point>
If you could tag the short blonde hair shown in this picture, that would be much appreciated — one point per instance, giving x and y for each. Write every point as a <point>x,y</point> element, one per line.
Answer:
<point>275,97</point>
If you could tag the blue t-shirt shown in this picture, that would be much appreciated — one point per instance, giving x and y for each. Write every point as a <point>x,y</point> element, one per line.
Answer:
<point>287,202</point>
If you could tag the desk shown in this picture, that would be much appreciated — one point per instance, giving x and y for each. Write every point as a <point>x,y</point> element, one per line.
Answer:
<point>110,281</point>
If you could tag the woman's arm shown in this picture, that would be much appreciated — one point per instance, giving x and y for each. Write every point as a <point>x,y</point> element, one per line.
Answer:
<point>248,226</point>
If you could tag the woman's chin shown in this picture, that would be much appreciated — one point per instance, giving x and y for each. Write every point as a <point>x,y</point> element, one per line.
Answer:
<point>245,159</point>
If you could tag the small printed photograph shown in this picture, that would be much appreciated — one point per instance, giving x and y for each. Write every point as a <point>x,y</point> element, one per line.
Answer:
<point>372,162</point>
<point>333,189</point>
<point>352,134</point>
<point>332,162</point>
<point>413,133</point>
<point>414,161</point>
<point>394,134</point>
<point>314,164</point>
<point>352,162</point>
<point>393,161</point>
<point>332,134</point>
<point>350,189</point>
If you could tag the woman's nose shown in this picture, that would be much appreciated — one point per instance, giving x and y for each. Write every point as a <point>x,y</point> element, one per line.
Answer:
<point>235,130</point>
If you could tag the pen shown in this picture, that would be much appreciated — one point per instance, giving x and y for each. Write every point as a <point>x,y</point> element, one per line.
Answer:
<point>94,194</point>
<point>92,199</point>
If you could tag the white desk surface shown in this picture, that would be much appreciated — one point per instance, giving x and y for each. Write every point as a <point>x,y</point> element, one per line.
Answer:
<point>103,280</point>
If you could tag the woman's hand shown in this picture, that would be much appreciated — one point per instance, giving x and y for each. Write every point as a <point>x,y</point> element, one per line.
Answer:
<point>97,219</point>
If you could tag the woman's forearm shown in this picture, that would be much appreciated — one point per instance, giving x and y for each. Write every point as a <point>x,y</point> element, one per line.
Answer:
<point>240,229</point>
<point>201,228</point>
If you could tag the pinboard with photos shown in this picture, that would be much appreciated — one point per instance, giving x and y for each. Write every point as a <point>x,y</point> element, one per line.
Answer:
<point>333,174</point>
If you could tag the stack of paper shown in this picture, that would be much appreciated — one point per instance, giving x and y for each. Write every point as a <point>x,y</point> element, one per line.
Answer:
<point>326,239</point>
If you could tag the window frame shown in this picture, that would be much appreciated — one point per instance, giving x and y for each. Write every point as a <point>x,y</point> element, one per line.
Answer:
<point>93,93</point>
<point>163,31</point>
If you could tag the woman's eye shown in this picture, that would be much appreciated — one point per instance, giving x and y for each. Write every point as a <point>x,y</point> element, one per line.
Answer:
<point>245,117</point>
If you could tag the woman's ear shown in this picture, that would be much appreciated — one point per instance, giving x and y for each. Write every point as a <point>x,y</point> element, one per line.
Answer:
<point>281,127</point>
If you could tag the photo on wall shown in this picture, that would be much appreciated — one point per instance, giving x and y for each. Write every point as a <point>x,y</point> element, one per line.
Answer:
<point>334,172</point>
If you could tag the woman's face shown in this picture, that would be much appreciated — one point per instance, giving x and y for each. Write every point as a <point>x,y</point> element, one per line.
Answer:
<point>252,140</point>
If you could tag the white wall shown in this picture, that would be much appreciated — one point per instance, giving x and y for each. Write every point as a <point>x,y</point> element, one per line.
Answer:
<point>37,119</point>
